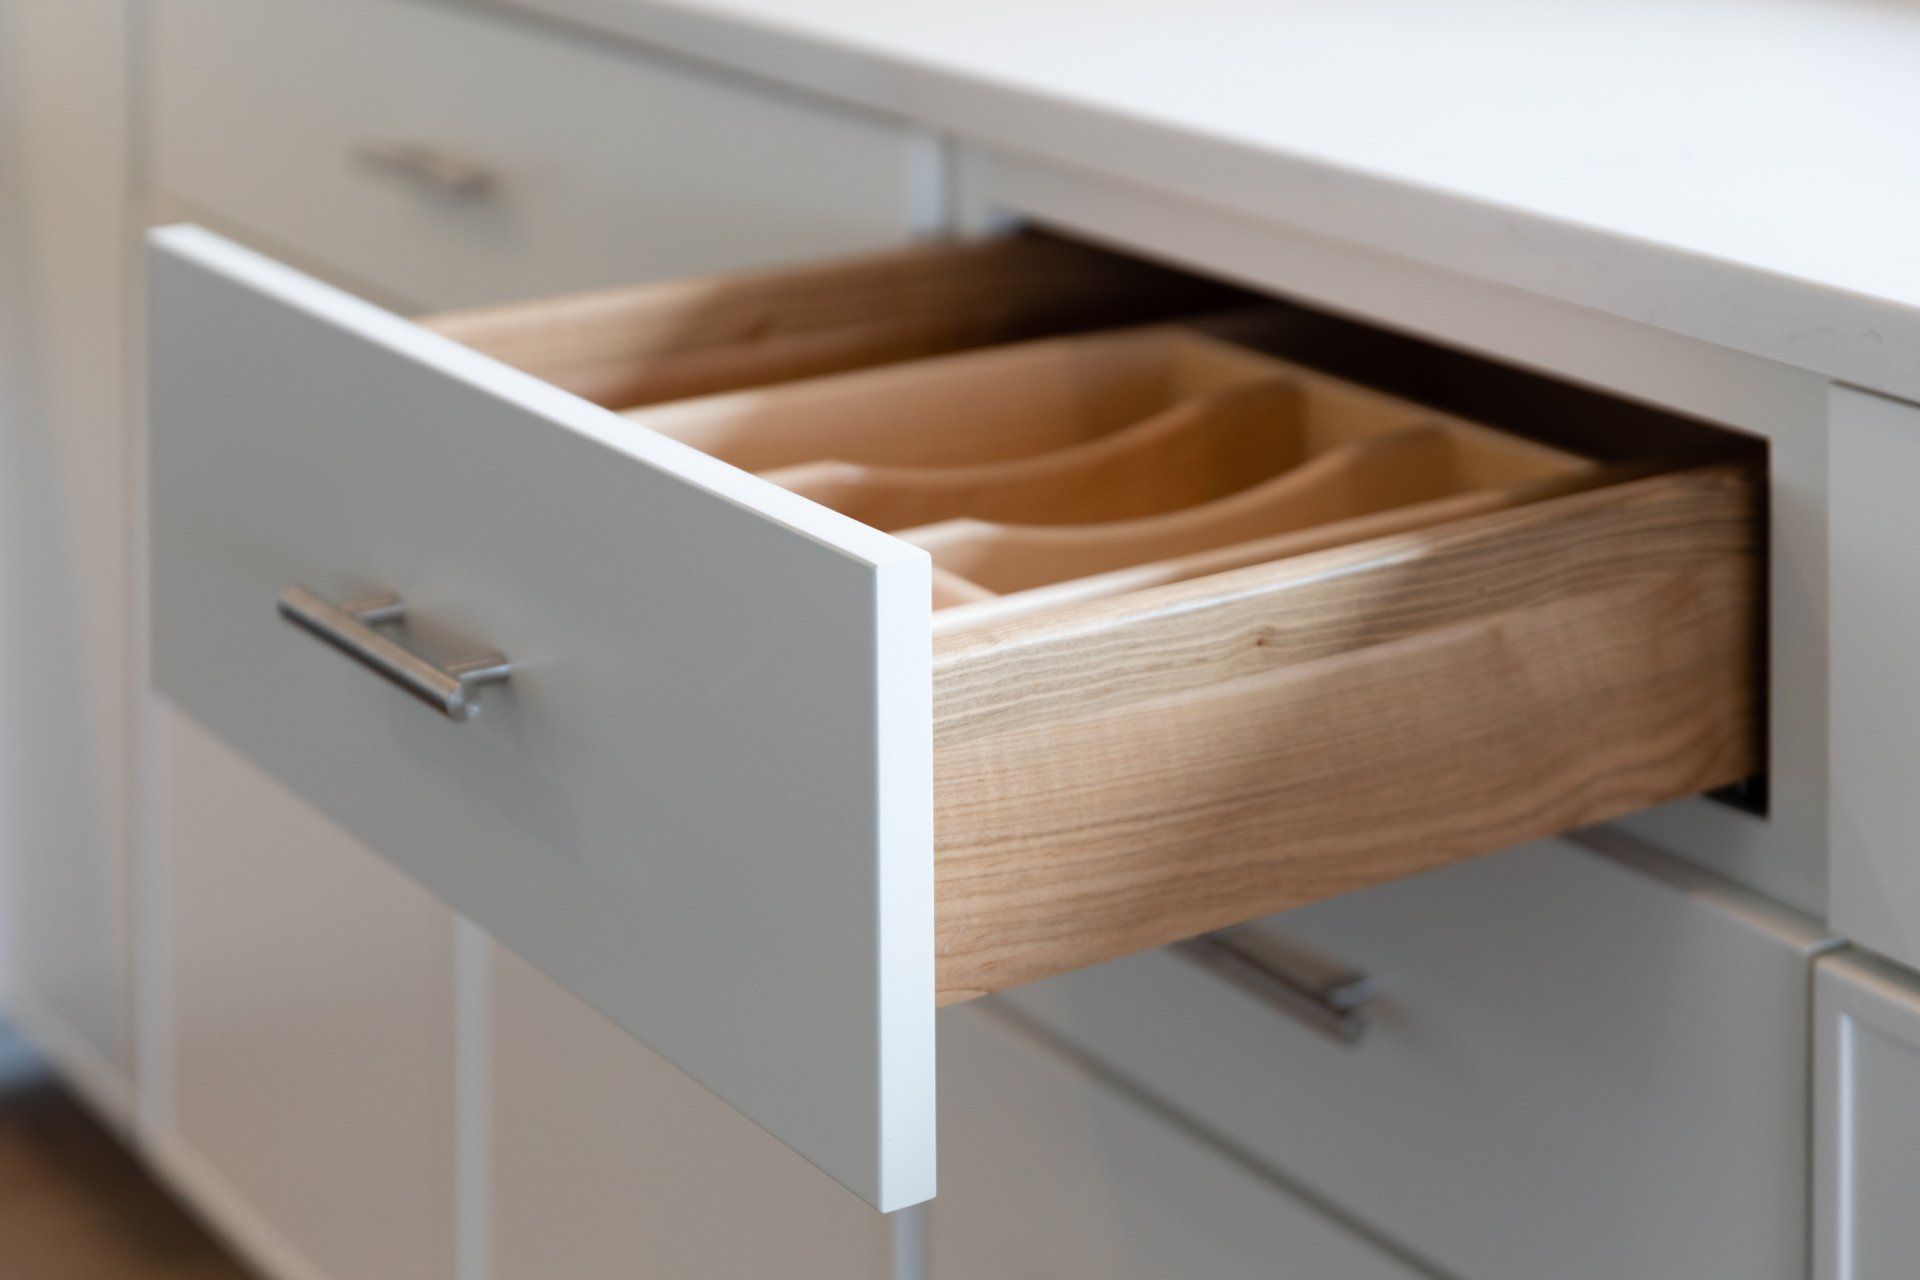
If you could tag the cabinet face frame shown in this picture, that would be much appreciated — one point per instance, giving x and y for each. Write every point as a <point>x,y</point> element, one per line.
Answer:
<point>1874,680</point>
<point>1864,1009</point>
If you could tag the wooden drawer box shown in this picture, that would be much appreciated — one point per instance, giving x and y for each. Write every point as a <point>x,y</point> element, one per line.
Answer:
<point>746,789</point>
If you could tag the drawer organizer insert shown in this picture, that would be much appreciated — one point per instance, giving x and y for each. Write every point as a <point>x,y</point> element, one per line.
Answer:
<point>1215,634</point>
<point>1078,467</point>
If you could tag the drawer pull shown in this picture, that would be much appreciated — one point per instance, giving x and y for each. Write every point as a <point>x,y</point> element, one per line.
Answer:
<point>429,167</point>
<point>1326,995</point>
<point>450,688</point>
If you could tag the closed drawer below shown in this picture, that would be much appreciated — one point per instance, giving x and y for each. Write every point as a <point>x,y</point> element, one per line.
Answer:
<point>1580,1064</point>
<point>1047,1174</point>
<point>1141,633</point>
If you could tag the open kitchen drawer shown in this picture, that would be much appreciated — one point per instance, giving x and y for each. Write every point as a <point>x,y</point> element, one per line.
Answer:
<point>745,789</point>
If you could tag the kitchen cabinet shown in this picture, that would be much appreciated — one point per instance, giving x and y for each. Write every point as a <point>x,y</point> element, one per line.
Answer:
<point>605,1160</point>
<point>285,959</point>
<point>594,820</point>
<point>693,653</point>
<point>309,1044</point>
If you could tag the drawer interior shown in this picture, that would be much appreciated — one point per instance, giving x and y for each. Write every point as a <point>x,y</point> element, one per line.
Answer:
<point>1217,633</point>
<point>1079,467</point>
<point>995,404</point>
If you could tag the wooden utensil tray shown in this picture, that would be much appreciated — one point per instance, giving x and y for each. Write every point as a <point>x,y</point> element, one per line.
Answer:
<point>1215,634</point>
<point>1072,468</point>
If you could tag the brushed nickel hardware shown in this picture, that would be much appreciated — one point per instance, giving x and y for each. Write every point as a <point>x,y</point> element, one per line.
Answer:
<point>432,168</point>
<point>1323,993</point>
<point>451,688</point>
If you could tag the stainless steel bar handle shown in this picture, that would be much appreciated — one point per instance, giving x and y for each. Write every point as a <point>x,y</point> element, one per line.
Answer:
<point>450,688</point>
<point>1327,995</point>
<point>432,168</point>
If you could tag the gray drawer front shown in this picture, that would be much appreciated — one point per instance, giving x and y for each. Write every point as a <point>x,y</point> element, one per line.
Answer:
<point>1579,1066</point>
<point>1046,1174</point>
<point>591,817</point>
<point>442,156</point>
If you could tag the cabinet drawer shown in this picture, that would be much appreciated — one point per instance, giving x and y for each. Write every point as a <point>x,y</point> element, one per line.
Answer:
<point>1048,1174</point>
<point>1576,1065</point>
<point>740,756</point>
<point>443,155</point>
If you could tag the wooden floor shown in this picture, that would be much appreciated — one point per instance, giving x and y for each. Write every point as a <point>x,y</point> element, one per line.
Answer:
<point>74,1205</point>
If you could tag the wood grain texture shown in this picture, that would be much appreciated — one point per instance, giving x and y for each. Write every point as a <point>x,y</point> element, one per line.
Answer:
<point>967,614</point>
<point>1364,477</point>
<point>1130,772</point>
<point>1019,400</point>
<point>964,408</point>
<point>1201,448</point>
<point>658,342</point>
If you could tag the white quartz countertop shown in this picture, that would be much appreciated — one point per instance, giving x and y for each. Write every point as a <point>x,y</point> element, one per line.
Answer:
<point>1741,171</point>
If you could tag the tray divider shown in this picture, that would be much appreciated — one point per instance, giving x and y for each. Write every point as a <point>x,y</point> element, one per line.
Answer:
<point>1158,573</point>
<point>951,591</point>
<point>1356,479</point>
<point>1202,447</point>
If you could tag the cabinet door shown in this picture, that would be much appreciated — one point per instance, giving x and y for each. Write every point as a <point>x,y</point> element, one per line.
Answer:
<point>1866,1120</point>
<point>1048,1174</point>
<point>606,1161</point>
<point>309,1040</point>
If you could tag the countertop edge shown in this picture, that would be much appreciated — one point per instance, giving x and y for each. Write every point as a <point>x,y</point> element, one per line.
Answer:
<point>1850,337</point>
